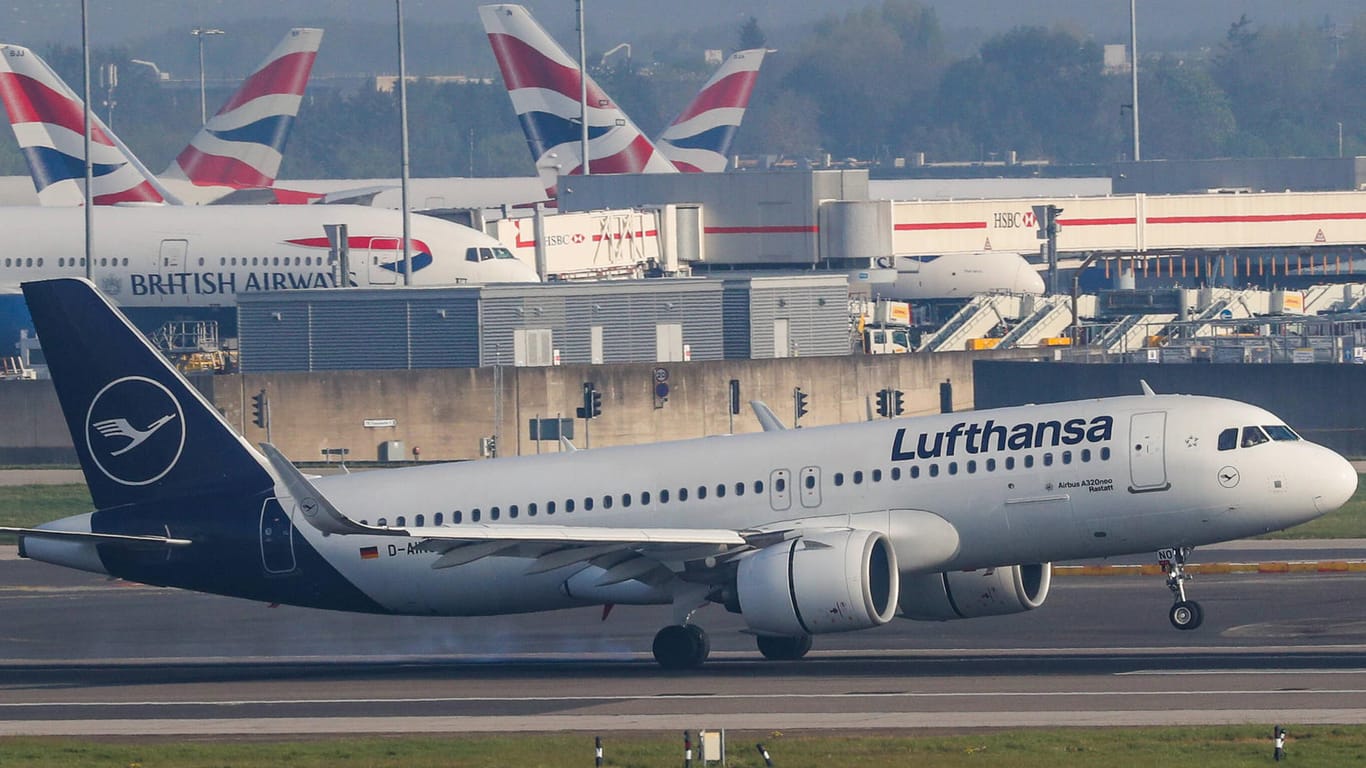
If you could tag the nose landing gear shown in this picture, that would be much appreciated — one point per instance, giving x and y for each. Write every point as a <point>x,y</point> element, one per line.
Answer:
<point>1185,614</point>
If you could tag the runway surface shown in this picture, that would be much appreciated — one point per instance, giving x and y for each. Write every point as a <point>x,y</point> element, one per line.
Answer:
<point>82,655</point>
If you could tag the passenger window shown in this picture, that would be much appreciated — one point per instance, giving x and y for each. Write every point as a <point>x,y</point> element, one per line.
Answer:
<point>739,489</point>
<point>780,485</point>
<point>664,496</point>
<point>1010,462</point>
<point>1253,436</point>
<point>915,471</point>
<point>457,517</point>
<point>588,504</point>
<point>1067,457</point>
<point>568,506</point>
<point>1029,461</point>
<point>701,492</point>
<point>493,513</point>
<point>418,520</point>
<point>382,522</point>
<point>1228,439</point>
<point>1048,459</point>
<point>877,475</point>
<point>606,502</point>
<point>625,500</point>
<point>858,477</point>
<point>512,511</point>
<point>972,466</point>
<point>720,491</point>
<point>682,494</point>
<point>839,479</point>
<point>1104,454</point>
<point>810,482</point>
<point>401,522</point>
<point>758,486</point>
<point>896,473</point>
<point>550,507</point>
<point>531,509</point>
<point>439,518</point>
<point>991,465</point>
<point>645,498</point>
<point>934,470</point>
<point>474,515</point>
<point>1085,454</point>
<point>953,467</point>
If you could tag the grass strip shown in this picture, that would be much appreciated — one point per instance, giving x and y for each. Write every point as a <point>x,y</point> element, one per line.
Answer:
<point>1208,747</point>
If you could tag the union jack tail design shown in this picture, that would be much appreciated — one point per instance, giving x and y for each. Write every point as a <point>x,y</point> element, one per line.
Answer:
<point>699,138</point>
<point>543,82</point>
<point>48,120</point>
<point>242,144</point>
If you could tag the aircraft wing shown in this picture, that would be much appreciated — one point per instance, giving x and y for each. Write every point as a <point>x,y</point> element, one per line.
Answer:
<point>553,545</point>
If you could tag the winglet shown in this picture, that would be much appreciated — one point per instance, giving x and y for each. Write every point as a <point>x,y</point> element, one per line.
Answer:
<point>316,509</point>
<point>767,420</point>
<point>1147,390</point>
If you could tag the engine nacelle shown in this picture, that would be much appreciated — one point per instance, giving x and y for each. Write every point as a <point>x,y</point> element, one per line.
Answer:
<point>969,594</point>
<point>829,581</point>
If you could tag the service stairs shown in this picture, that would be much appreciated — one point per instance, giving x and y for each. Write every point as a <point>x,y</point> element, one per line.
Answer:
<point>1131,332</point>
<point>976,319</point>
<point>1051,317</point>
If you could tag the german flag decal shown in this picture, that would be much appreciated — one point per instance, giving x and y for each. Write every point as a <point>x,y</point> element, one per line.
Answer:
<point>369,553</point>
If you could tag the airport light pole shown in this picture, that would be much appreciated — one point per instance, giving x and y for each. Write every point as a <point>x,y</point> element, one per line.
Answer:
<point>1133,70</point>
<point>583,94</point>
<point>89,171</point>
<point>199,34</point>
<point>403,150</point>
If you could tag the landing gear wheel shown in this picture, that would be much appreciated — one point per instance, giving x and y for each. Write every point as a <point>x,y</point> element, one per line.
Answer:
<point>783,648</point>
<point>681,646</point>
<point>1186,614</point>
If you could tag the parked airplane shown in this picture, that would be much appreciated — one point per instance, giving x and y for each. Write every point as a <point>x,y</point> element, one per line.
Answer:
<point>802,532</point>
<point>240,148</point>
<point>962,275</point>
<point>161,262</point>
<point>543,81</point>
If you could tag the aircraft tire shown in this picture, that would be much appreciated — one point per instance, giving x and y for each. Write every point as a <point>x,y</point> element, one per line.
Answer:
<point>1186,615</point>
<point>680,646</point>
<point>783,648</point>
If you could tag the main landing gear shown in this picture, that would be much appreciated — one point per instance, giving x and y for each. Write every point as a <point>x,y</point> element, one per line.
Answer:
<point>1185,614</point>
<point>681,646</point>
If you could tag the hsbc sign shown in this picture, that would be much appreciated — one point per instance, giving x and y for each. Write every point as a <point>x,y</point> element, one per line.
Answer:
<point>1013,220</point>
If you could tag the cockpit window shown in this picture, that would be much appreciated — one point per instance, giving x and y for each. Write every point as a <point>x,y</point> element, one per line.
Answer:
<point>472,254</point>
<point>1228,439</point>
<point>1280,432</point>
<point>1253,436</point>
<point>502,253</point>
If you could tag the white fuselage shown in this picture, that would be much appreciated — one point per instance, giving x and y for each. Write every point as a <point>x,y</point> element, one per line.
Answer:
<point>203,256</point>
<point>962,275</point>
<point>1125,475</point>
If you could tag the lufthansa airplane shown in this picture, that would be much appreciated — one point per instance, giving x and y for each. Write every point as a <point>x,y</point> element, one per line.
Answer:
<point>802,532</point>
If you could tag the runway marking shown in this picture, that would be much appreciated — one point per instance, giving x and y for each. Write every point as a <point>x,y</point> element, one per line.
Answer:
<point>680,697</point>
<point>1197,672</point>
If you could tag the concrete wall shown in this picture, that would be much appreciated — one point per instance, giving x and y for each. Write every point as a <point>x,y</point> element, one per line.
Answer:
<point>445,412</point>
<point>1320,401</point>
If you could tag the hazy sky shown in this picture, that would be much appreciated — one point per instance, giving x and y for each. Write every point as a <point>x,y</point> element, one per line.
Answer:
<point>147,25</point>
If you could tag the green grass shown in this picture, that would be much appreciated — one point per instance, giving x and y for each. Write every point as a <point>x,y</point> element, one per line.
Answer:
<point>1208,747</point>
<point>24,506</point>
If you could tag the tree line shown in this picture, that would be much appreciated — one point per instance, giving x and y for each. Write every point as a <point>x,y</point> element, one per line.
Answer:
<point>874,84</point>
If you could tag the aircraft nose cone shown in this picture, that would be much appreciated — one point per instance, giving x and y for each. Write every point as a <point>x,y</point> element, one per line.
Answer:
<point>1338,485</point>
<point>1030,281</point>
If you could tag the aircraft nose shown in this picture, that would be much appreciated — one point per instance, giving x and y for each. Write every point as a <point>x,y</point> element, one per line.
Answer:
<point>1338,483</point>
<point>1030,281</point>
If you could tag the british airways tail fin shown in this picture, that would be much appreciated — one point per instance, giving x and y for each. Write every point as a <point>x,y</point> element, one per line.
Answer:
<point>544,82</point>
<point>243,144</point>
<point>142,432</point>
<point>47,118</point>
<point>699,139</point>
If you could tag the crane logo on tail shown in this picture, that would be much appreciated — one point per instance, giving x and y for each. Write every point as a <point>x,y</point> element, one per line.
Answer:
<point>135,431</point>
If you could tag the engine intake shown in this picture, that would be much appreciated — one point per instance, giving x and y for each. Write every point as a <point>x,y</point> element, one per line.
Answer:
<point>969,594</point>
<point>829,581</point>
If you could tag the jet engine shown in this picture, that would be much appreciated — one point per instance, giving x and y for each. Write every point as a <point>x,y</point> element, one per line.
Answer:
<point>828,581</point>
<point>969,594</point>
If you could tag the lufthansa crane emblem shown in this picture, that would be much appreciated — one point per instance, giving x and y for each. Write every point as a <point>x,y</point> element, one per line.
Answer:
<point>135,430</point>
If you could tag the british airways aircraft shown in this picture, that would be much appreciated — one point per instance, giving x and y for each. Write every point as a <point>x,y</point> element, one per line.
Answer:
<point>543,82</point>
<point>802,532</point>
<point>162,262</point>
<point>239,149</point>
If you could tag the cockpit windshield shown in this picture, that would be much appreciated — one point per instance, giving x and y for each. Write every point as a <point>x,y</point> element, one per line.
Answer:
<point>1228,438</point>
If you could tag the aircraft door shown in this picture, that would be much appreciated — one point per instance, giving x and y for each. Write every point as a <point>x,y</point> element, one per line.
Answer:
<point>385,257</point>
<point>1147,459</point>
<point>780,490</point>
<point>277,538</point>
<point>172,255</point>
<point>811,487</point>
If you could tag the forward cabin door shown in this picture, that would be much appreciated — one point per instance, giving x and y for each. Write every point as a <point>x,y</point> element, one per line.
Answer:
<point>1147,456</point>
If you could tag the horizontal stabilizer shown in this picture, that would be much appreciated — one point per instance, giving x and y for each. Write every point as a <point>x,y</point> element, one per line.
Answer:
<point>98,538</point>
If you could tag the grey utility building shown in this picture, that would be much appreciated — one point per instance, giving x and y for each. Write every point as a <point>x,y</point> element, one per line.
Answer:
<point>625,321</point>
